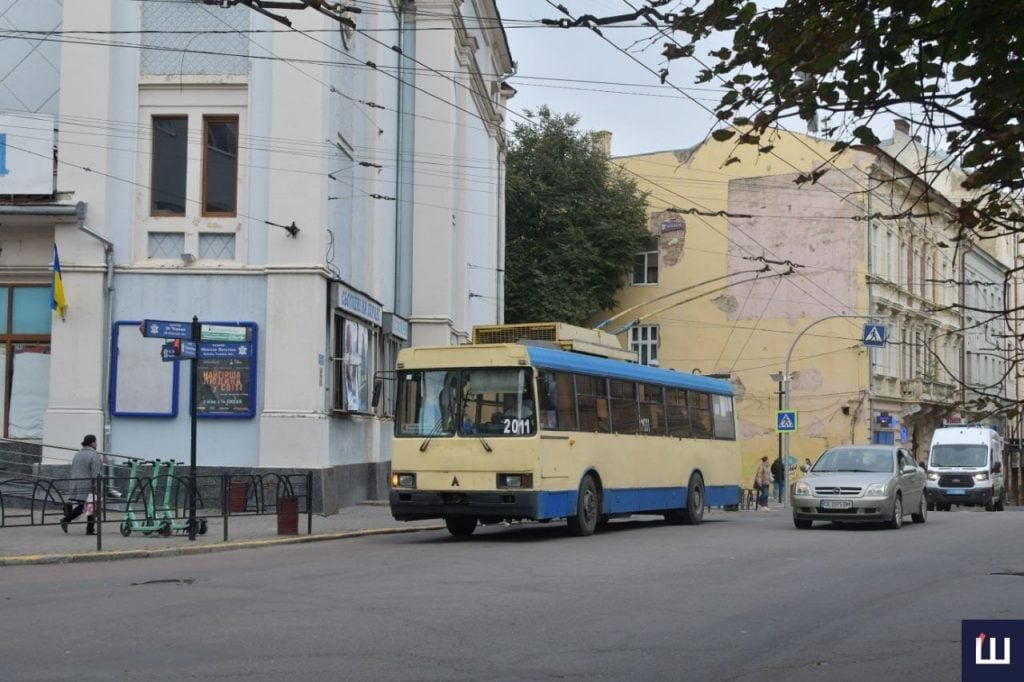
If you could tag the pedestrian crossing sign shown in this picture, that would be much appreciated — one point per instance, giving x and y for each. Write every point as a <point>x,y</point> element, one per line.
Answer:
<point>785,421</point>
<point>874,335</point>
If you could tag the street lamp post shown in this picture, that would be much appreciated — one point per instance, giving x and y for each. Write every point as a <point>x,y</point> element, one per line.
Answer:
<point>785,397</point>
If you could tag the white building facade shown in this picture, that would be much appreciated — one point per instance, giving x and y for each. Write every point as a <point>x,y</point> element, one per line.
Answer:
<point>324,188</point>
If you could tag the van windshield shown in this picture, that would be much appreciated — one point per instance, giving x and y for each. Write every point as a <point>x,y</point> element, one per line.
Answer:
<point>959,455</point>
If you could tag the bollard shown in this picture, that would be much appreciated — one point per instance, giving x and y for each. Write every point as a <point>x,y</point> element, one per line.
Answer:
<point>288,515</point>
<point>239,495</point>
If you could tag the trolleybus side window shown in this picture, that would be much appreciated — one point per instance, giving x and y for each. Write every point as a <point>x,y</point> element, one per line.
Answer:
<point>592,399</point>
<point>557,401</point>
<point>725,422</point>
<point>652,409</point>
<point>625,415</point>
<point>700,414</point>
<point>678,414</point>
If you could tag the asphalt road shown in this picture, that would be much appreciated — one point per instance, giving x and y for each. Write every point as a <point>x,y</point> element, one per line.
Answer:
<point>745,596</point>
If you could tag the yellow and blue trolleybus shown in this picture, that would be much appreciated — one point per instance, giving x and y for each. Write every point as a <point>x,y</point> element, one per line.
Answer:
<point>512,431</point>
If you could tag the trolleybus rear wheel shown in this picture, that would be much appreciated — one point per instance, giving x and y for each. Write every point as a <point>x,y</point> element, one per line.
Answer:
<point>460,526</point>
<point>694,512</point>
<point>588,509</point>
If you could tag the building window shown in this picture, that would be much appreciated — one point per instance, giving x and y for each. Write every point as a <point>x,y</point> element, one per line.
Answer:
<point>165,245</point>
<point>217,246</point>
<point>220,165</point>
<point>25,319</point>
<point>169,162</point>
<point>645,268</point>
<point>644,340</point>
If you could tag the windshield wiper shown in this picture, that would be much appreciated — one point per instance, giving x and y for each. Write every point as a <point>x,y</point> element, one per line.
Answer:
<point>433,432</point>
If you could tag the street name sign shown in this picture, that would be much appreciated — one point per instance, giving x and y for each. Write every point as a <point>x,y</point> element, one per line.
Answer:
<point>225,350</point>
<point>223,332</point>
<point>163,329</point>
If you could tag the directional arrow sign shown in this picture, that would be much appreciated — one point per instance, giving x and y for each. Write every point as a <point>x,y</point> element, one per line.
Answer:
<point>162,329</point>
<point>785,421</point>
<point>188,351</point>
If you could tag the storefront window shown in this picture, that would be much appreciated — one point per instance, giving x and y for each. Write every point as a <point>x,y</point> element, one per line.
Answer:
<point>25,319</point>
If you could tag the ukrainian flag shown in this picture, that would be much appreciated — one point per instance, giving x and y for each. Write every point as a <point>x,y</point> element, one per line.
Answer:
<point>58,303</point>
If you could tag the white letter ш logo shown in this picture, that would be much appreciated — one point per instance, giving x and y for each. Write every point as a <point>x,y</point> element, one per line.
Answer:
<point>991,659</point>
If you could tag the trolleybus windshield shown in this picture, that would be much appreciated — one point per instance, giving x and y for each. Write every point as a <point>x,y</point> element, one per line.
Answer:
<point>468,402</point>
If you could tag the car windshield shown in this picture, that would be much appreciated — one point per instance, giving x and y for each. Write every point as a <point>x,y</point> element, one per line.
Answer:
<point>959,455</point>
<point>853,459</point>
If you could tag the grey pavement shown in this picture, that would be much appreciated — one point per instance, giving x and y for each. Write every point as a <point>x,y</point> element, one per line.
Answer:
<point>46,543</point>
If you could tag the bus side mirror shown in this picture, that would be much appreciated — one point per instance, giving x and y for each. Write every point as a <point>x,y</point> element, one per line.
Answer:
<point>378,385</point>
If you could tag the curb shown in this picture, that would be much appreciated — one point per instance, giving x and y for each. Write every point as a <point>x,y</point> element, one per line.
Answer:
<point>82,557</point>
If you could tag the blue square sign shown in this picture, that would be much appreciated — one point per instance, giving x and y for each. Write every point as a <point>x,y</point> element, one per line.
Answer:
<point>785,421</point>
<point>874,335</point>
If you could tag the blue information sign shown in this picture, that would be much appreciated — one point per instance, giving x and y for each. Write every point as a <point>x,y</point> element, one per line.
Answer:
<point>162,329</point>
<point>224,349</point>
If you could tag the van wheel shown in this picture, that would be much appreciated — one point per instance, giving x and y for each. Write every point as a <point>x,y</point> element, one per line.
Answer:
<point>588,509</point>
<point>931,506</point>
<point>896,522</point>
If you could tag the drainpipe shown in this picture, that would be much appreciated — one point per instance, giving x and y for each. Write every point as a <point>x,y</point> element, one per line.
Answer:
<point>108,316</point>
<point>401,306</point>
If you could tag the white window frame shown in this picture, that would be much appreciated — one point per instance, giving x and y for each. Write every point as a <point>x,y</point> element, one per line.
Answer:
<point>648,255</point>
<point>197,104</point>
<point>645,340</point>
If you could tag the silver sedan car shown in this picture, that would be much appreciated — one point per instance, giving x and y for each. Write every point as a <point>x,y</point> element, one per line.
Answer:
<point>861,483</point>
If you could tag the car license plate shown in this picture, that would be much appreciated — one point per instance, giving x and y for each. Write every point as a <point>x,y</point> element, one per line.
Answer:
<point>956,491</point>
<point>836,504</point>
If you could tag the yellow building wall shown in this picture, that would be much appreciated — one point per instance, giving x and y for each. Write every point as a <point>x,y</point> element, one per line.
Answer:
<point>734,320</point>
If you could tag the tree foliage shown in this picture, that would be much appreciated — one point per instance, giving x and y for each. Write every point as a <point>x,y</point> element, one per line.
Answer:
<point>574,223</point>
<point>954,68</point>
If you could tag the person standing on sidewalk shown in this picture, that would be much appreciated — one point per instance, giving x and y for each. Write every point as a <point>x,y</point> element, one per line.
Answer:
<point>778,474</point>
<point>763,479</point>
<point>85,467</point>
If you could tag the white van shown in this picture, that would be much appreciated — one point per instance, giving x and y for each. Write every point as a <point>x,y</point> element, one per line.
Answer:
<point>965,467</point>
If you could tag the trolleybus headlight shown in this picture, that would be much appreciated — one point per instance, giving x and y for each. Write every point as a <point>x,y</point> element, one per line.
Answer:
<point>515,480</point>
<point>403,480</point>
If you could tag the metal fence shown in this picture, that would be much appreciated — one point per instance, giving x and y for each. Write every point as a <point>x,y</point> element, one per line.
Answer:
<point>152,499</point>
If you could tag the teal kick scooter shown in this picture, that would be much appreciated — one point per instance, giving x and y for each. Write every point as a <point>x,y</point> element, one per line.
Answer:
<point>148,524</point>
<point>164,514</point>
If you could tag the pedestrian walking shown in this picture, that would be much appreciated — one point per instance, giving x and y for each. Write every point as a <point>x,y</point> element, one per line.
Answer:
<point>763,479</point>
<point>85,467</point>
<point>778,476</point>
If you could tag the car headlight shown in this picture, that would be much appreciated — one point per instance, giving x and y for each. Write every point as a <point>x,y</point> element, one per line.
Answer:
<point>933,475</point>
<point>983,476</point>
<point>875,490</point>
<point>802,489</point>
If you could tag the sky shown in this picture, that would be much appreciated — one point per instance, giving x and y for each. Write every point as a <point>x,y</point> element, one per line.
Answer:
<point>610,82</point>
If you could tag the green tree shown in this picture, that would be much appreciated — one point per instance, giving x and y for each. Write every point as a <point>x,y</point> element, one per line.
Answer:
<point>574,223</point>
<point>953,68</point>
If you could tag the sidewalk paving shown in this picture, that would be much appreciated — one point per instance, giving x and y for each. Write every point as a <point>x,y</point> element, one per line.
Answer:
<point>47,544</point>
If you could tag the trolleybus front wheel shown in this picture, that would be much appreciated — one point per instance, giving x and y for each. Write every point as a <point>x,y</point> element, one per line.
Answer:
<point>460,526</point>
<point>588,509</point>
